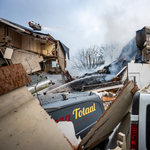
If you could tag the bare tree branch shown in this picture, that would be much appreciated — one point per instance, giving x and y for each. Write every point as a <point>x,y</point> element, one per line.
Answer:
<point>89,58</point>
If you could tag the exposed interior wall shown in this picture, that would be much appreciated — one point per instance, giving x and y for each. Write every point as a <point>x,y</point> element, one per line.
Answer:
<point>16,38</point>
<point>44,51</point>
<point>38,47</point>
<point>27,42</point>
<point>31,43</point>
<point>49,48</point>
<point>61,57</point>
<point>2,31</point>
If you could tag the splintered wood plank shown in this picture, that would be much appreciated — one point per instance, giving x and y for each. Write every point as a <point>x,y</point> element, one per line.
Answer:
<point>110,119</point>
<point>12,77</point>
<point>107,99</point>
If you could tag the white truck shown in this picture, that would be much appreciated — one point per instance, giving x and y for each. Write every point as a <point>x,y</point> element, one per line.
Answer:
<point>140,120</point>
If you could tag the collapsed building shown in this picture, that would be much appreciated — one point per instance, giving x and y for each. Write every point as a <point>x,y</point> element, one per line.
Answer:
<point>116,73</point>
<point>36,51</point>
<point>30,127</point>
<point>117,76</point>
<point>109,76</point>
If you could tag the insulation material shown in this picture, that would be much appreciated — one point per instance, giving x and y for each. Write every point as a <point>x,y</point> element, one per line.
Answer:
<point>12,77</point>
<point>29,60</point>
<point>110,119</point>
<point>24,124</point>
<point>8,53</point>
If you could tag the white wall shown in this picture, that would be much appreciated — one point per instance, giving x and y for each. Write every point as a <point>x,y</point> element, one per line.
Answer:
<point>140,73</point>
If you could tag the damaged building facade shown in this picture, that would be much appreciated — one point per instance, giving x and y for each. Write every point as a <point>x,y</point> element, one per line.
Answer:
<point>36,51</point>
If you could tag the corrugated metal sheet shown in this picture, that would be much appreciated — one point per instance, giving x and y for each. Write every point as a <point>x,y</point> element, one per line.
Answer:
<point>12,77</point>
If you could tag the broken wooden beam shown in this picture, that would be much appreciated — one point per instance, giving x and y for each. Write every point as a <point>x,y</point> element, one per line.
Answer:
<point>110,119</point>
<point>96,86</point>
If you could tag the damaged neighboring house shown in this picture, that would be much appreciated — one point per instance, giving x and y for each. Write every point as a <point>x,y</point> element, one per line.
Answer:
<point>36,51</point>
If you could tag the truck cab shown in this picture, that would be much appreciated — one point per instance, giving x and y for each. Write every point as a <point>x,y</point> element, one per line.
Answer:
<point>83,109</point>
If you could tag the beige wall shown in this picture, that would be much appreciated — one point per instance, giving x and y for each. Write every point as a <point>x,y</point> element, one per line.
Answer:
<point>25,42</point>
<point>16,38</point>
<point>49,47</point>
<point>29,44</point>
<point>25,125</point>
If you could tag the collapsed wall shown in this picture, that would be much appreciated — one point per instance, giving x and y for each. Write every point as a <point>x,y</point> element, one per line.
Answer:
<point>24,124</point>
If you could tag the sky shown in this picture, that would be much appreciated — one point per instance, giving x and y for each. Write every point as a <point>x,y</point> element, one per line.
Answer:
<point>81,23</point>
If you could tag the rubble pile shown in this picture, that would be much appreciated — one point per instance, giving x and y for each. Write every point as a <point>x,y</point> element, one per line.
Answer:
<point>95,103</point>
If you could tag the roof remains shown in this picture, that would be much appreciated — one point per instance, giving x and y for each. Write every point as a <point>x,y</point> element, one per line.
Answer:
<point>39,35</point>
<point>65,49</point>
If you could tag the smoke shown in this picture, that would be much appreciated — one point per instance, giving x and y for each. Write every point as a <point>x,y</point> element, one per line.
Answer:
<point>55,28</point>
<point>109,77</point>
<point>129,50</point>
<point>128,53</point>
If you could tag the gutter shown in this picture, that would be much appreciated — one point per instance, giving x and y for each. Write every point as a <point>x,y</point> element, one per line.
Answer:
<point>10,24</point>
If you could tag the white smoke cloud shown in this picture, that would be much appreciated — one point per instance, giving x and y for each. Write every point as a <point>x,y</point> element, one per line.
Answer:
<point>81,24</point>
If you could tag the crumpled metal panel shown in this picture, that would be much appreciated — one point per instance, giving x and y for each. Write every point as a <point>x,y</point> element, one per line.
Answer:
<point>12,77</point>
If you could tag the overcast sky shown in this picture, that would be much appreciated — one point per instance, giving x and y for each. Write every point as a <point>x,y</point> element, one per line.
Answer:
<point>81,23</point>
